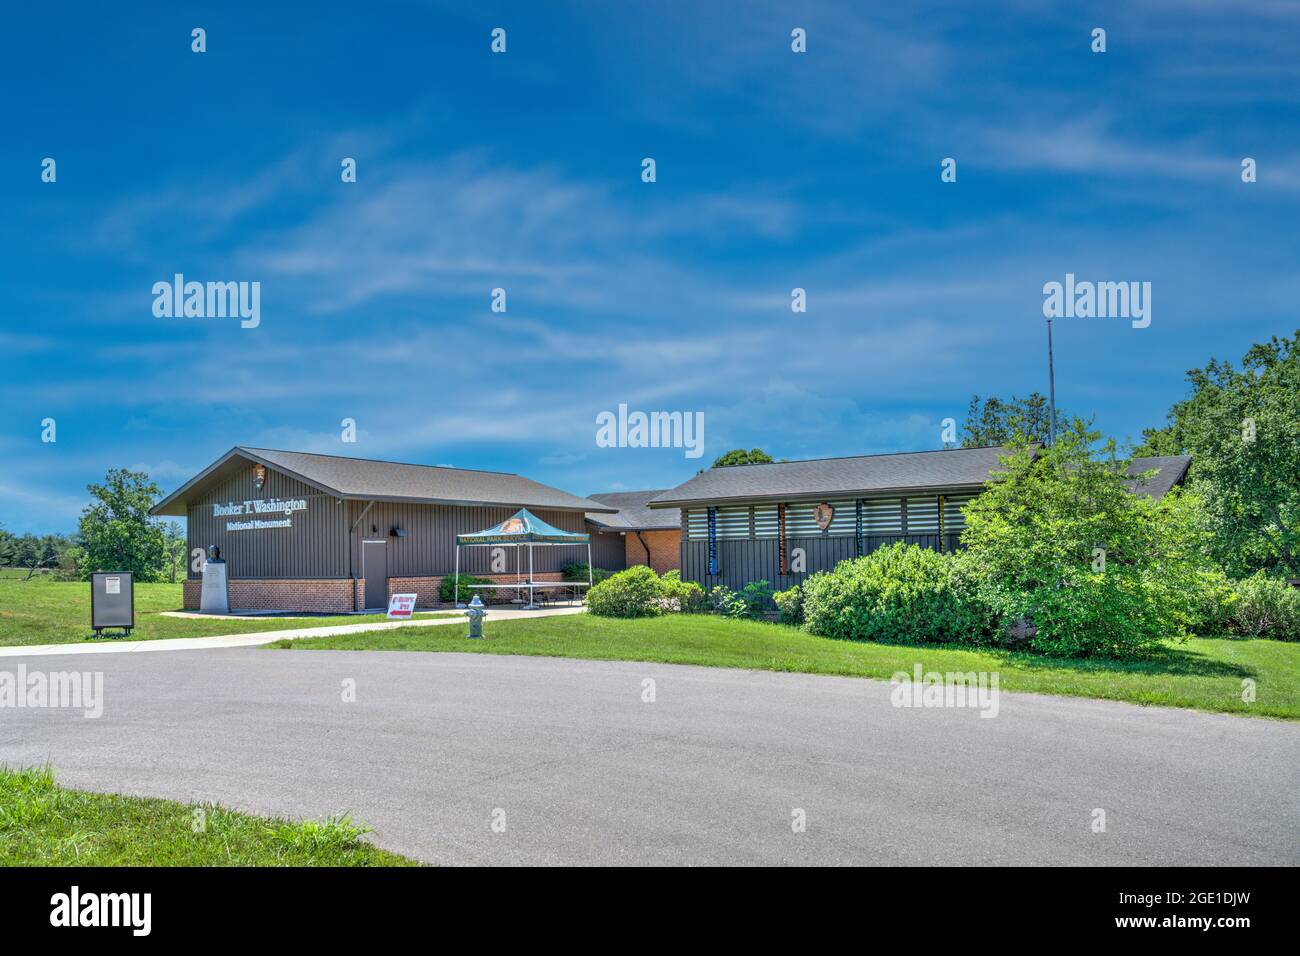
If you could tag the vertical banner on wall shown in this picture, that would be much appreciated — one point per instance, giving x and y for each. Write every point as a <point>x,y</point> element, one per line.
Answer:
<point>941,534</point>
<point>782,549</point>
<point>858,532</point>
<point>713,540</point>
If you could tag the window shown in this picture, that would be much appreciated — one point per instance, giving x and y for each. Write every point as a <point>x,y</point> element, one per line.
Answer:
<point>923,515</point>
<point>733,522</point>
<point>954,511</point>
<point>801,523</point>
<point>882,516</point>
<point>766,522</point>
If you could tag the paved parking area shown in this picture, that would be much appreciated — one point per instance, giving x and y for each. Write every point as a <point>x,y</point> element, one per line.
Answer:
<point>583,770</point>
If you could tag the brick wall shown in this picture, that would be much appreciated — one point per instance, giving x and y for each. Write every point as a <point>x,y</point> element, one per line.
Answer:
<point>329,595</point>
<point>427,587</point>
<point>665,549</point>
<point>322,595</point>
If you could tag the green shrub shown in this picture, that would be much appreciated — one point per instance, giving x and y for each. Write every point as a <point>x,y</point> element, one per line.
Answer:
<point>756,597</point>
<point>722,600</point>
<point>578,572</point>
<point>636,592</point>
<point>685,596</point>
<point>1060,542</point>
<point>789,605</point>
<point>467,585</point>
<point>1214,601</point>
<point>751,601</point>
<point>902,593</point>
<point>1266,607</point>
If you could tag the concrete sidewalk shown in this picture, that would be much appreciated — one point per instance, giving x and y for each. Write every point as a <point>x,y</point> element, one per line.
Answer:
<point>111,646</point>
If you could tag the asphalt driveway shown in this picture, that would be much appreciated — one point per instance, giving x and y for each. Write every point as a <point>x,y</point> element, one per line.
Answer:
<point>582,770</point>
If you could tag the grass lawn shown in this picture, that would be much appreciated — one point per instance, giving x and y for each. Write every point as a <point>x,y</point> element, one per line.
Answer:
<point>41,611</point>
<point>1206,674</point>
<point>42,824</point>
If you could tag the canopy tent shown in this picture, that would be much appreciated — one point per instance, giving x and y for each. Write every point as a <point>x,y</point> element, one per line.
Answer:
<point>522,528</point>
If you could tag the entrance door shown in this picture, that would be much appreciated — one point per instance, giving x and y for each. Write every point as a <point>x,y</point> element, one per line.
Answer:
<point>374,568</point>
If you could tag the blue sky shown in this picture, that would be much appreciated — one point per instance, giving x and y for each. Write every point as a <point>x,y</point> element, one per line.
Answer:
<point>522,170</point>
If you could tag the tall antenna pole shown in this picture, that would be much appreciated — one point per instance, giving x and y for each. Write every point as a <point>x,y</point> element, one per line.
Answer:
<point>1051,388</point>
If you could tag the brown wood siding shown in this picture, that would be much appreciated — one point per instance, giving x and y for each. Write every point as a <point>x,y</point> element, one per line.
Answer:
<point>430,545</point>
<point>321,543</point>
<point>313,547</point>
<point>740,561</point>
<point>608,550</point>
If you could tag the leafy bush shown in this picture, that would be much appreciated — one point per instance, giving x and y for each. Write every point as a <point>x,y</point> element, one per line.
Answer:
<point>756,596</point>
<point>1266,607</point>
<point>901,593</point>
<point>685,596</point>
<point>1060,542</point>
<point>1214,602</point>
<point>789,605</point>
<point>636,592</point>
<point>750,602</point>
<point>467,585</point>
<point>722,600</point>
<point>575,571</point>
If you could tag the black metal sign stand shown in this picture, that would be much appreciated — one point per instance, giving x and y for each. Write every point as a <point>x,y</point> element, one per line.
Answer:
<point>112,603</point>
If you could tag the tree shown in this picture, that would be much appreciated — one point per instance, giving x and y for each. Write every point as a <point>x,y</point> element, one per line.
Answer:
<point>117,532</point>
<point>28,553</point>
<point>46,555</point>
<point>1157,443</point>
<point>22,551</point>
<point>1242,428</point>
<point>174,548</point>
<point>738,456</point>
<point>1060,542</point>
<point>71,561</point>
<point>995,422</point>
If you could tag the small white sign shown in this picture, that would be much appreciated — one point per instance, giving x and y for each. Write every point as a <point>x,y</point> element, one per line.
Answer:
<point>112,585</point>
<point>401,606</point>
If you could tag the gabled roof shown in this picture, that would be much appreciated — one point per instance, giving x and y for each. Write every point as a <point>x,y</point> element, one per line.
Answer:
<point>1170,470</point>
<point>367,479</point>
<point>838,477</point>
<point>633,515</point>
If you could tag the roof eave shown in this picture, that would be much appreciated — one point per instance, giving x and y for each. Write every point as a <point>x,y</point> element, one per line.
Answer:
<point>593,507</point>
<point>174,505</point>
<point>814,496</point>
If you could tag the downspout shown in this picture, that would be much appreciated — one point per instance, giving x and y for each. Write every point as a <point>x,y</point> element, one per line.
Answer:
<point>941,527</point>
<point>644,545</point>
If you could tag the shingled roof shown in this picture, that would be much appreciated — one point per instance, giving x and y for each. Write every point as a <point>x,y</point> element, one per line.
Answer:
<point>368,479</point>
<point>865,475</point>
<point>633,515</point>
<point>838,477</point>
<point>1170,470</point>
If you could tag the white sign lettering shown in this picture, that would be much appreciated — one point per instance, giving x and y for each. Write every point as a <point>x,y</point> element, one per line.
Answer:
<point>257,525</point>
<point>260,506</point>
